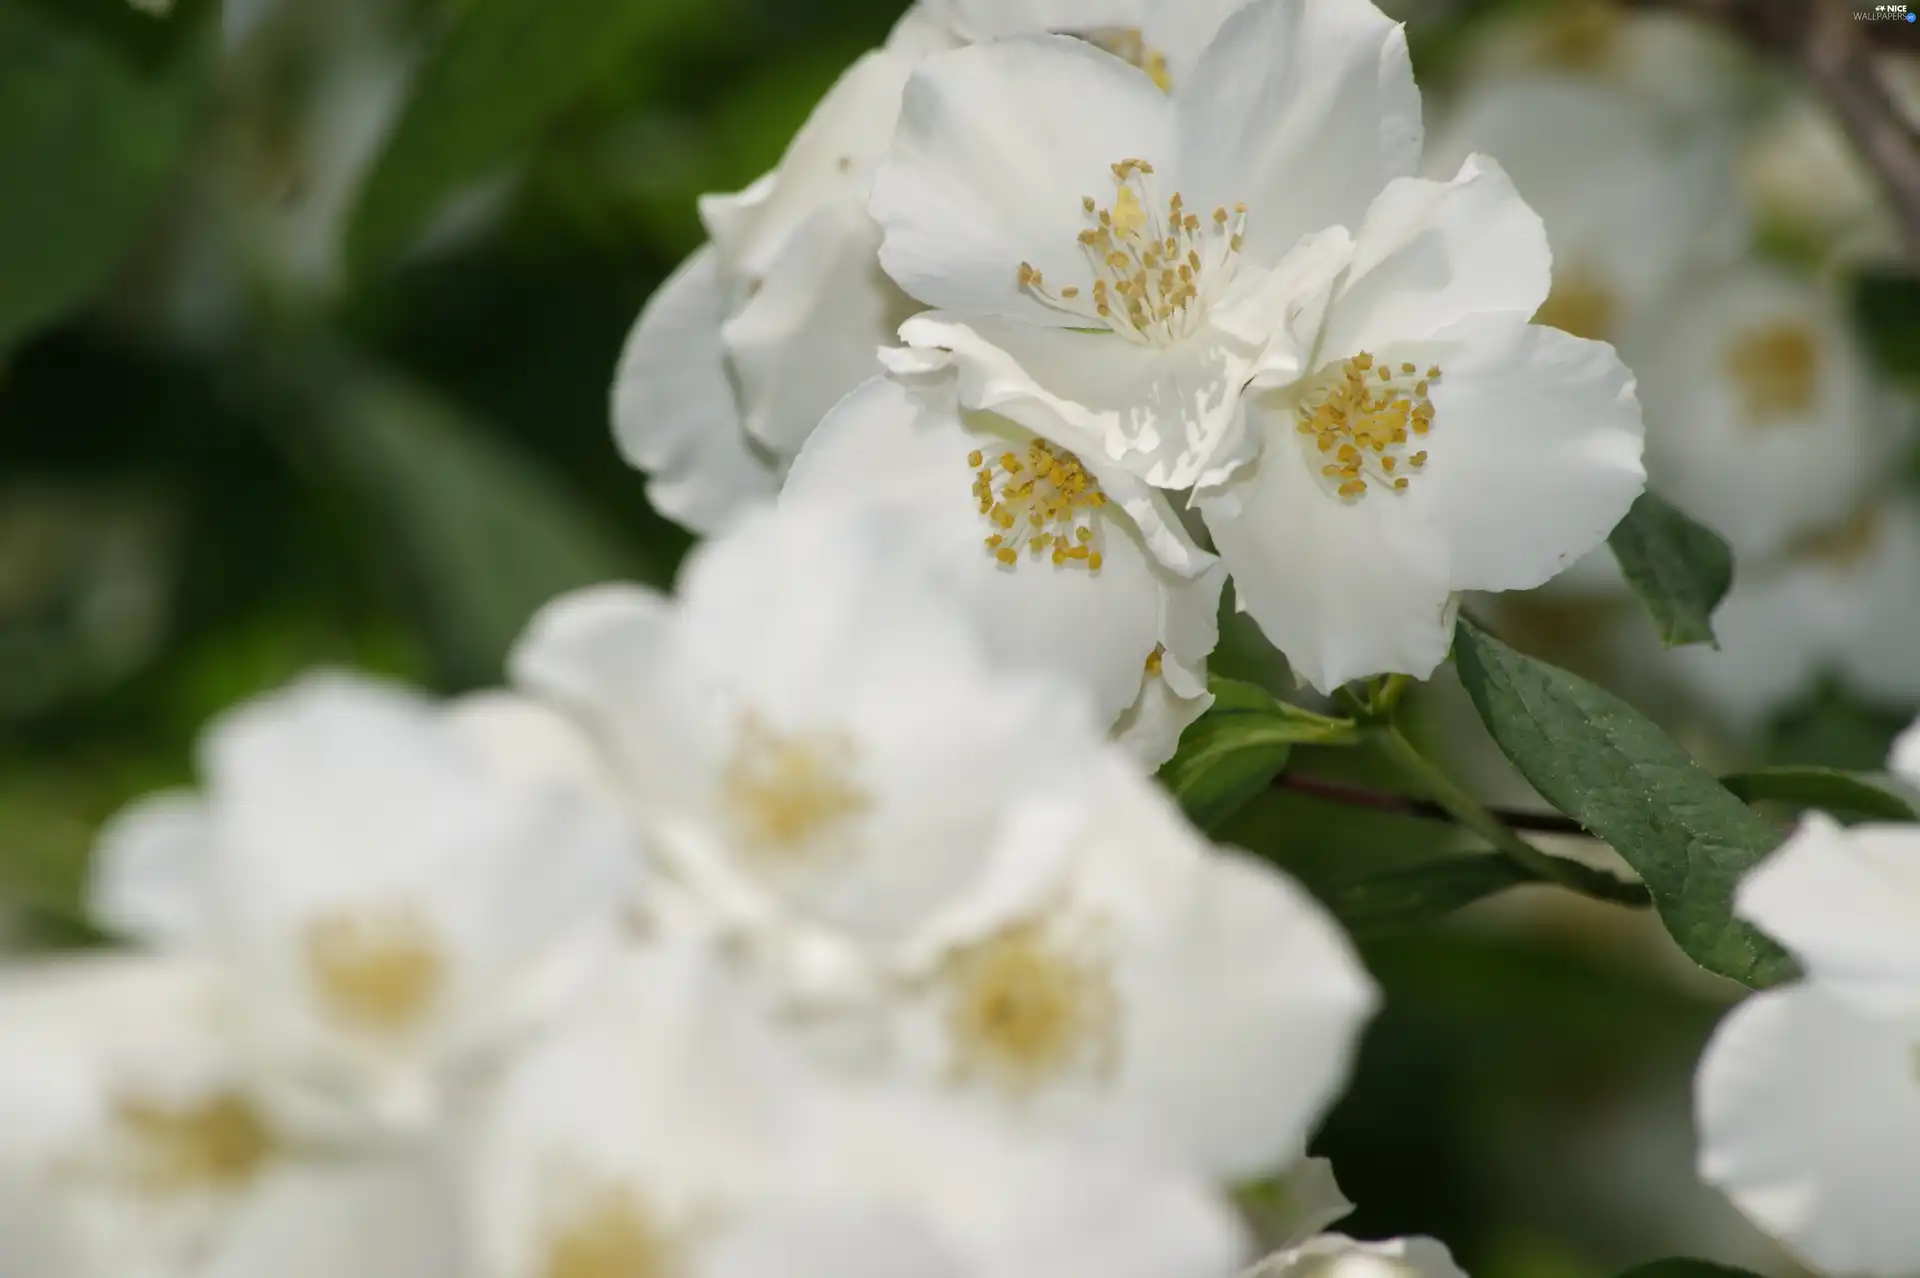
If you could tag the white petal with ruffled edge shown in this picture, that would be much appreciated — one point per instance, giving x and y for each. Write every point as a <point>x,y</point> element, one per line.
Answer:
<point>1338,1256</point>
<point>674,412</point>
<point>1809,1117</point>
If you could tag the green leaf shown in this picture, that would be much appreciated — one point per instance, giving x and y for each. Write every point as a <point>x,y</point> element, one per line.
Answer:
<point>1867,796</point>
<point>1598,760</point>
<point>1236,749</point>
<point>474,536</point>
<point>87,142</point>
<point>1678,1268</point>
<point>503,71</point>
<point>1679,569</point>
<point>1887,302</point>
<point>1415,895</point>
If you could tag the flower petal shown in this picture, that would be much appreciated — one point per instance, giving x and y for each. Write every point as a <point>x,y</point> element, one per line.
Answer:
<point>808,335</point>
<point>1344,589</point>
<point>998,144</point>
<point>149,872</point>
<point>1846,902</point>
<point>1432,254</point>
<point>1534,454</point>
<point>886,445</point>
<point>674,414</point>
<point>1810,1122</point>
<point>1302,110</point>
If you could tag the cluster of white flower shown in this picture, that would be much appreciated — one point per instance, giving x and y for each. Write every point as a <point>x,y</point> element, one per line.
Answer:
<point>771,928</point>
<point>1662,161</point>
<point>1809,1111</point>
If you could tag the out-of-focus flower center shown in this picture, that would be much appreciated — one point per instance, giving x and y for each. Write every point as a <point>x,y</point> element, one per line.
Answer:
<point>379,973</point>
<point>1025,1011</point>
<point>1361,420</point>
<point>1153,265</point>
<point>1129,44</point>
<point>1579,304</point>
<point>1776,370</point>
<point>219,1143</point>
<point>1843,545</point>
<point>1583,38</point>
<point>785,790</point>
<point>610,1235</point>
<point>1046,500</point>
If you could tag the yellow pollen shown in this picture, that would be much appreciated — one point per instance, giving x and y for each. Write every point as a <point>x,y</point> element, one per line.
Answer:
<point>375,972</point>
<point>1580,304</point>
<point>220,1143</point>
<point>1129,45</point>
<point>785,791</point>
<point>612,1236</point>
<point>1155,658</point>
<point>1365,421</point>
<point>1049,492</point>
<point>1776,369</point>
<point>1025,1012</point>
<point>1154,256</point>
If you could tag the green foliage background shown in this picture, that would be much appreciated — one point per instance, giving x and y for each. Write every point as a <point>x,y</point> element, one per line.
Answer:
<point>394,472</point>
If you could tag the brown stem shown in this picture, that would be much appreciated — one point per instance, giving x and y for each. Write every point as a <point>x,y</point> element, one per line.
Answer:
<point>1356,797</point>
<point>1838,54</point>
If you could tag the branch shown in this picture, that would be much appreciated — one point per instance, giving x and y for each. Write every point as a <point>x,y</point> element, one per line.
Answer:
<point>1426,809</point>
<point>1833,49</point>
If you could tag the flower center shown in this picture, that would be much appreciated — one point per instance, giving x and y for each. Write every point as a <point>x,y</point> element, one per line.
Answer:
<point>1153,265</point>
<point>1776,369</point>
<point>1361,422</point>
<point>611,1235</point>
<point>378,973</point>
<point>1129,44</point>
<point>785,790</point>
<point>1842,546</point>
<point>1579,304</point>
<point>1024,1011</point>
<point>1583,38</point>
<point>1048,500</point>
<point>219,1143</point>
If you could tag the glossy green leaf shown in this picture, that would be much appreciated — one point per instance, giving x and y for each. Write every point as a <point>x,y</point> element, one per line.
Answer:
<point>1236,749</point>
<point>87,142</point>
<point>1601,762</point>
<point>504,69</point>
<point>1862,795</point>
<point>1680,570</point>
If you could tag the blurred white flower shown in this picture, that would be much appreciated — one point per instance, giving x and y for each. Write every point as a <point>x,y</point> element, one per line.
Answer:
<point>1337,1256</point>
<point>393,896</point>
<point>1106,257</point>
<point>1188,1003</point>
<point>134,1148</point>
<point>819,743</point>
<point>1630,206</point>
<point>1430,441</point>
<point>1808,1107</point>
<point>675,1130</point>
<point>1841,602</point>
<point>1765,421</point>
<point>1041,546</point>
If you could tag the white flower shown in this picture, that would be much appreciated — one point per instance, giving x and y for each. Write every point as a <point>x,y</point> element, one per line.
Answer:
<point>818,742</point>
<point>1040,545</point>
<point>1164,996</point>
<point>1431,441</point>
<point>1805,177</point>
<point>393,897</point>
<point>1808,1102</point>
<point>1840,602</point>
<point>674,1130</point>
<point>1764,420</point>
<point>135,1149</point>
<point>1337,1256</point>
<point>1103,254</point>
<point>1629,205</point>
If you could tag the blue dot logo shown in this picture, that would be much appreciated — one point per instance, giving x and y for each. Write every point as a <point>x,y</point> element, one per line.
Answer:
<point>1913,17</point>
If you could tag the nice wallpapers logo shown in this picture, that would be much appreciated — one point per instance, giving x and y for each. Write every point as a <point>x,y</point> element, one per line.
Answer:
<point>1887,13</point>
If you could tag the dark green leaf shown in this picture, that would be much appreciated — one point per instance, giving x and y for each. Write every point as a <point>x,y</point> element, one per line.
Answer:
<point>1414,895</point>
<point>87,141</point>
<point>1864,795</point>
<point>1236,749</point>
<point>504,69</point>
<point>1887,302</point>
<point>1677,1268</point>
<point>475,536</point>
<point>1679,569</point>
<point>1598,760</point>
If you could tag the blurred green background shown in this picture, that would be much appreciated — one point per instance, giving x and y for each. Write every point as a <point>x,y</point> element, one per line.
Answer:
<point>283,384</point>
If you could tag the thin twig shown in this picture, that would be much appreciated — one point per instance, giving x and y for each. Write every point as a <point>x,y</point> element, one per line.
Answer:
<point>1838,53</point>
<point>1357,797</point>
